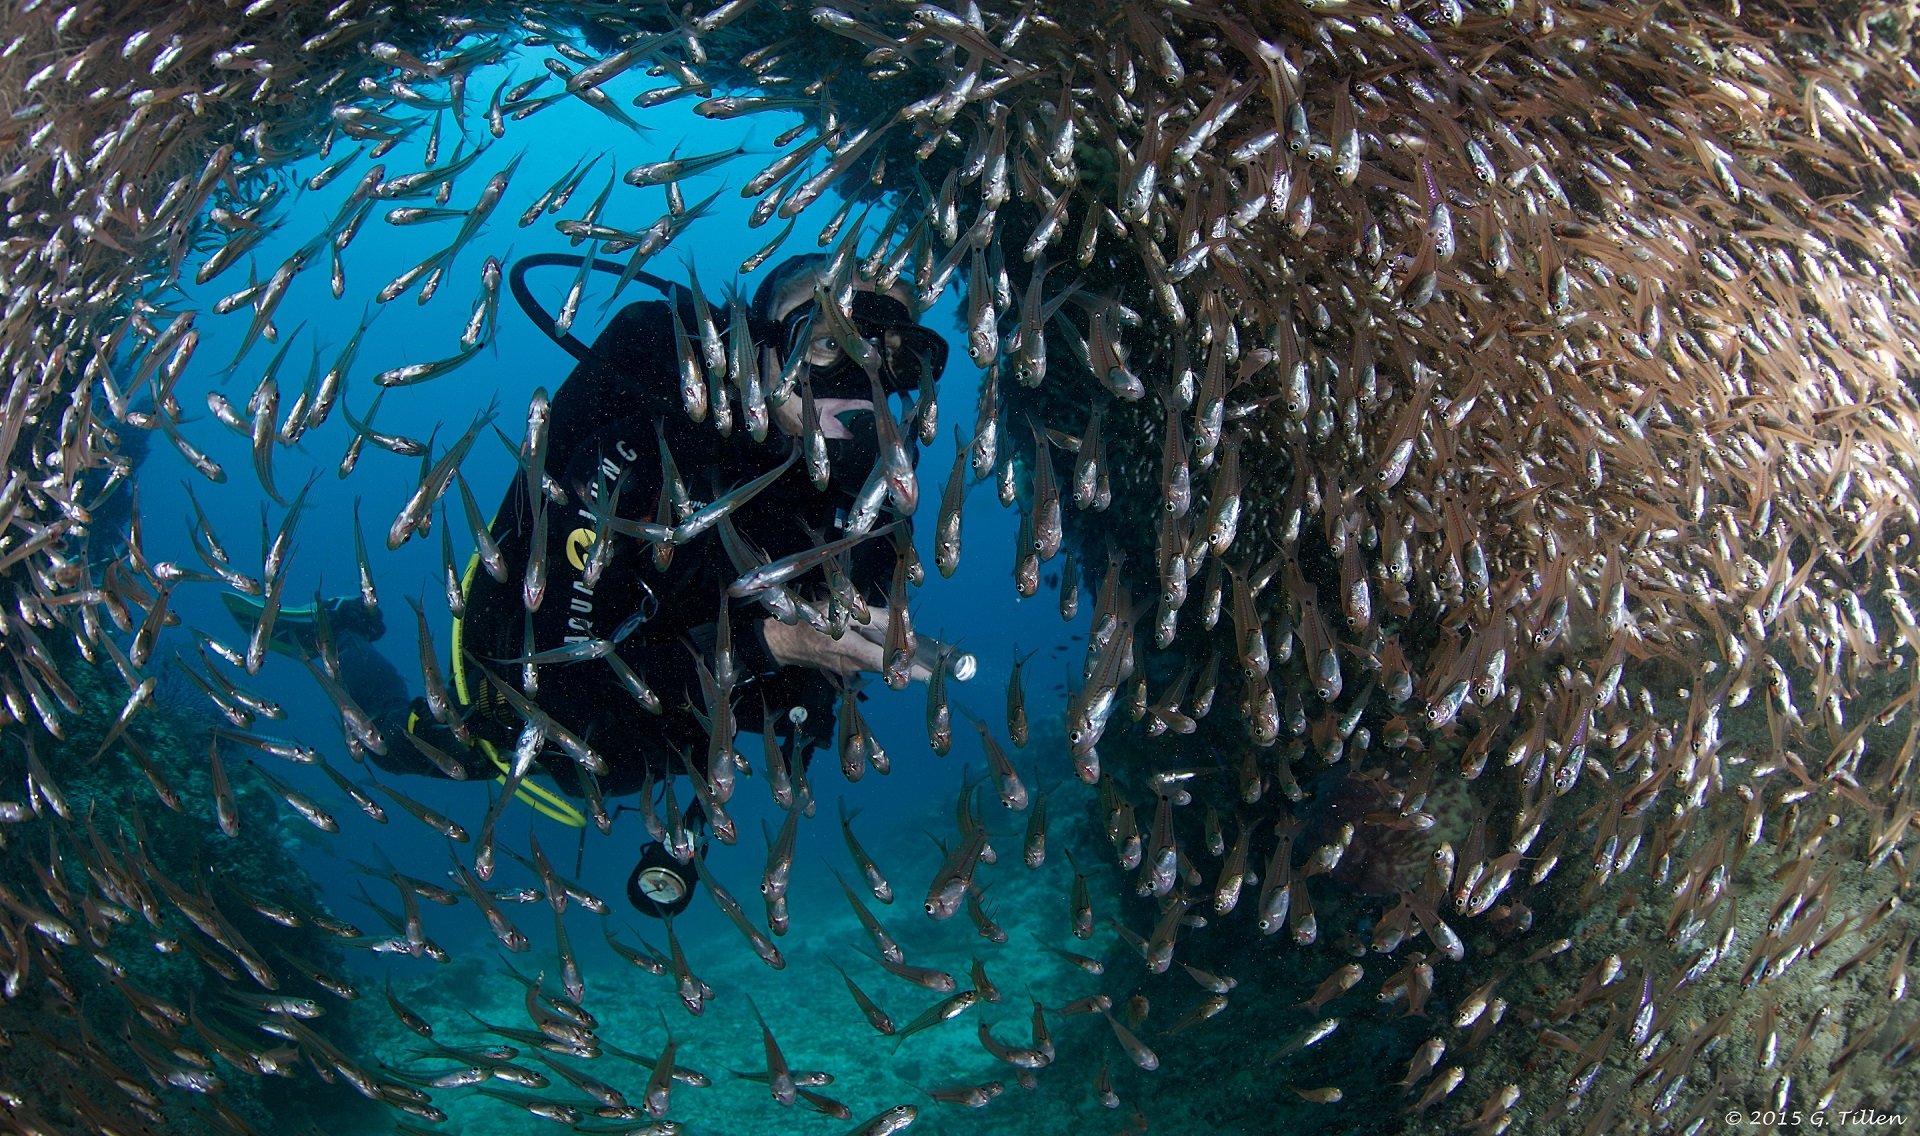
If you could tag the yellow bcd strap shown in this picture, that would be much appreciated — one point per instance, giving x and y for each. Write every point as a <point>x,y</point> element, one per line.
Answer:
<point>459,656</point>
<point>538,797</point>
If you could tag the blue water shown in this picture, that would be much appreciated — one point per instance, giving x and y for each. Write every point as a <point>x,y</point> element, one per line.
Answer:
<point>977,608</point>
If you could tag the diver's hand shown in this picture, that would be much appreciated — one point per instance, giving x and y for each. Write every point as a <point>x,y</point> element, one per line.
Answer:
<point>799,645</point>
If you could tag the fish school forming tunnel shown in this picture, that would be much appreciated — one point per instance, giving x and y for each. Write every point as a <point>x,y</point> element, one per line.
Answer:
<point>777,568</point>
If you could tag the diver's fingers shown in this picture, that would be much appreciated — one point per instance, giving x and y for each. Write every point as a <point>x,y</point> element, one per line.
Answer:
<point>799,645</point>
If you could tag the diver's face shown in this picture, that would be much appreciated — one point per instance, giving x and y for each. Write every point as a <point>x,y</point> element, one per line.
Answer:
<point>839,389</point>
<point>831,416</point>
<point>803,332</point>
<point>841,413</point>
<point>837,418</point>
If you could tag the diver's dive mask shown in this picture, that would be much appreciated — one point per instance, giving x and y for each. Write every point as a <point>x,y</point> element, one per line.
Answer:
<point>908,352</point>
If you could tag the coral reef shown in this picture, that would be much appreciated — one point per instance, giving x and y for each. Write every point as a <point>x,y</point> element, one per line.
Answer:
<point>123,896</point>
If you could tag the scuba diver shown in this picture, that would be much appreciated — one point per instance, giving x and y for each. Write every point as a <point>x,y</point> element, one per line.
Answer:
<point>634,656</point>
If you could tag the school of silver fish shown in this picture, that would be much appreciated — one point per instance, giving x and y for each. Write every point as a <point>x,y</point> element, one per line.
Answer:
<point>1488,431</point>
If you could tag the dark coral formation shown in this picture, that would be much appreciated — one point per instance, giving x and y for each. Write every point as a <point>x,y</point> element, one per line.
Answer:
<point>117,999</point>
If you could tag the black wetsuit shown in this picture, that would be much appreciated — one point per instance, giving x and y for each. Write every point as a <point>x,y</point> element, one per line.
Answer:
<point>604,423</point>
